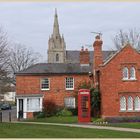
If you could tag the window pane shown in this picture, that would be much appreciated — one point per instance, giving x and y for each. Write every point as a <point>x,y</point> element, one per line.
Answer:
<point>33,104</point>
<point>137,103</point>
<point>69,102</point>
<point>45,83</point>
<point>122,103</point>
<point>69,83</point>
<point>130,103</point>
<point>132,73</point>
<point>125,73</point>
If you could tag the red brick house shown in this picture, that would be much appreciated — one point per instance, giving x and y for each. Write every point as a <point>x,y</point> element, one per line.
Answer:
<point>118,80</point>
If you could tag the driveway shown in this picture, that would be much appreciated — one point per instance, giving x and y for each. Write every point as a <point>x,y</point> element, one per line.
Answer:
<point>5,114</point>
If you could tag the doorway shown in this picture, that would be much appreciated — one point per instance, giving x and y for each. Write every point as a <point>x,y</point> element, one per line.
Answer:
<point>20,113</point>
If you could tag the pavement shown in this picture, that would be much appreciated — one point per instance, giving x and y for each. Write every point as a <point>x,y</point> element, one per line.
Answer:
<point>90,125</point>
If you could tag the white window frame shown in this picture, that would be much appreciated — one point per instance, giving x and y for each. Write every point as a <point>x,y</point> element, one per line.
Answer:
<point>69,105</point>
<point>130,103</point>
<point>137,107</point>
<point>66,83</point>
<point>30,103</point>
<point>132,72</point>
<point>41,84</point>
<point>122,100</point>
<point>125,71</point>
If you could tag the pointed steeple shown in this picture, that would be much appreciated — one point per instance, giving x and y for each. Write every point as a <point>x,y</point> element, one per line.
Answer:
<point>56,25</point>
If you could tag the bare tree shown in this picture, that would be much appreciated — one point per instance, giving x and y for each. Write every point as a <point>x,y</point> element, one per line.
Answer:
<point>4,53</point>
<point>21,58</point>
<point>4,58</point>
<point>131,36</point>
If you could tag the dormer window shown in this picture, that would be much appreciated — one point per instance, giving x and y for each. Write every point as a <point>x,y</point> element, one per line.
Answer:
<point>132,73</point>
<point>125,73</point>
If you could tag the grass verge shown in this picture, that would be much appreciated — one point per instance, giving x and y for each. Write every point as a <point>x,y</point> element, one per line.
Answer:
<point>11,130</point>
<point>56,119</point>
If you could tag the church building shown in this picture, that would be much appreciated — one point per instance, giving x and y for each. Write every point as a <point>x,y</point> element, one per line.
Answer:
<point>115,73</point>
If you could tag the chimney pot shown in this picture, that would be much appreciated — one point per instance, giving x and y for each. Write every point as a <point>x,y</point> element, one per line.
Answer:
<point>97,37</point>
<point>82,49</point>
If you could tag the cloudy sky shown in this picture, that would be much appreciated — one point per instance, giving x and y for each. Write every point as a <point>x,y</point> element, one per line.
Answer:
<point>31,23</point>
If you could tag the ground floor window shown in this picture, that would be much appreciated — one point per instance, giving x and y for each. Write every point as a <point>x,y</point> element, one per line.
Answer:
<point>69,102</point>
<point>130,103</point>
<point>33,104</point>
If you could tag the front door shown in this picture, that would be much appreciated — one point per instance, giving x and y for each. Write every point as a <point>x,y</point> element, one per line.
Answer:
<point>20,113</point>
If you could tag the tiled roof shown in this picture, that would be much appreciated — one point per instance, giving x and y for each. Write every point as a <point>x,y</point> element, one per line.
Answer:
<point>55,68</point>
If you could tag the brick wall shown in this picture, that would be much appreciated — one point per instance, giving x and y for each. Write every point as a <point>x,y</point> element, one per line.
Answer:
<point>113,87</point>
<point>57,92</point>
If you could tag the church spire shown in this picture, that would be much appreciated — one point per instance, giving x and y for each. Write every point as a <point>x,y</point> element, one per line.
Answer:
<point>56,25</point>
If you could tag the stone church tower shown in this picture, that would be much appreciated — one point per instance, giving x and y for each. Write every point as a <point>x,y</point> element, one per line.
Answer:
<point>56,44</point>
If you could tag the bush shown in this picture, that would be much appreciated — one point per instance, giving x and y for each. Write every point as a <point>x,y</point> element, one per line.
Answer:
<point>39,114</point>
<point>64,112</point>
<point>74,111</point>
<point>49,108</point>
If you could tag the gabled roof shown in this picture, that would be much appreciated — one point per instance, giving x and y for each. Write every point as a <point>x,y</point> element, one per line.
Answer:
<point>117,52</point>
<point>56,68</point>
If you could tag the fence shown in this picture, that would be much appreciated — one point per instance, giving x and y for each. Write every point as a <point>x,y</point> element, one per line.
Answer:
<point>9,117</point>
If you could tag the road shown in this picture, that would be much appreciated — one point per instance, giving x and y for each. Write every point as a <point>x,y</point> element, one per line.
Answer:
<point>5,114</point>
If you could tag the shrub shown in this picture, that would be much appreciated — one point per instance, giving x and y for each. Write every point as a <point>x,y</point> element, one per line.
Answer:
<point>49,108</point>
<point>64,112</point>
<point>39,114</point>
<point>74,111</point>
<point>95,102</point>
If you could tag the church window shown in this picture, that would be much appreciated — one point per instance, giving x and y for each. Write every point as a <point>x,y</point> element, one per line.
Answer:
<point>57,57</point>
<point>137,103</point>
<point>125,73</point>
<point>130,103</point>
<point>132,73</point>
<point>122,103</point>
<point>69,83</point>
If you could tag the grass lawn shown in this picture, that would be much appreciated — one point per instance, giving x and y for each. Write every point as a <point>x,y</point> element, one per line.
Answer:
<point>74,119</point>
<point>55,119</point>
<point>11,130</point>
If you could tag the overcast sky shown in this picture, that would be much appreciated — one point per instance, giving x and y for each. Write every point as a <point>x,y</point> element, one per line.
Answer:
<point>31,23</point>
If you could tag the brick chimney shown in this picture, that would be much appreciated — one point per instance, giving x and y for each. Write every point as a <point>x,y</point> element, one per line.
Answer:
<point>84,56</point>
<point>97,59</point>
<point>97,54</point>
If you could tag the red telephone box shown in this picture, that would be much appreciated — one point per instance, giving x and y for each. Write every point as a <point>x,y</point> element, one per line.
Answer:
<point>84,105</point>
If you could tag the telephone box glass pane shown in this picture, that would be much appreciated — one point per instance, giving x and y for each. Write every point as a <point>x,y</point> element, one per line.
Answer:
<point>84,106</point>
